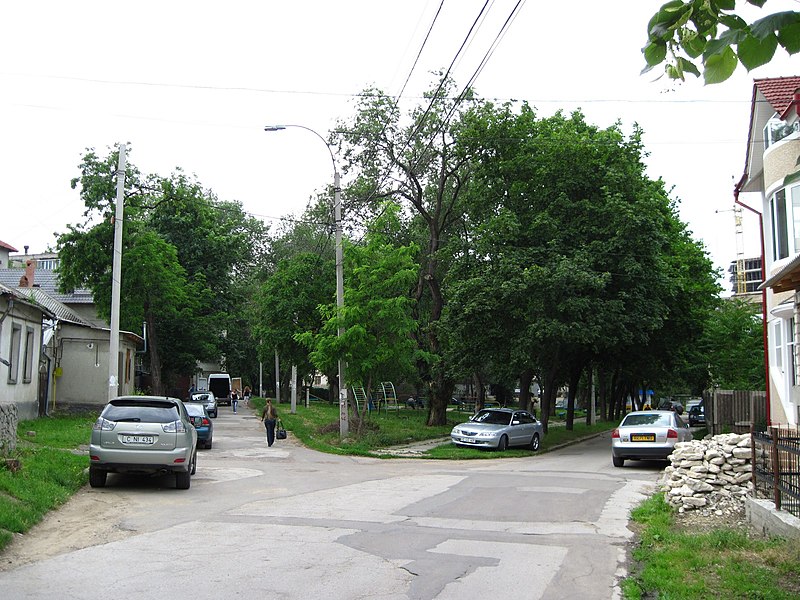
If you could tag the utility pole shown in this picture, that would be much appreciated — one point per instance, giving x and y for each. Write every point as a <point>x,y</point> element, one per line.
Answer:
<point>116,275</point>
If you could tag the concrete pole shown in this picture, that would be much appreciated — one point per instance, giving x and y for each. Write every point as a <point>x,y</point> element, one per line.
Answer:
<point>344,425</point>
<point>116,276</point>
<point>277,378</point>
<point>293,387</point>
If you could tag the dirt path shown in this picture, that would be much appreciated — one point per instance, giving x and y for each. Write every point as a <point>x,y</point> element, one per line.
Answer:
<point>86,519</point>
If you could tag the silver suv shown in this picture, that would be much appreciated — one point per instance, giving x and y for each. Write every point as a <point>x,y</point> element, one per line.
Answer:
<point>143,434</point>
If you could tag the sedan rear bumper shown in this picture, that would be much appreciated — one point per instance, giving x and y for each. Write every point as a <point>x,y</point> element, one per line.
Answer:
<point>642,452</point>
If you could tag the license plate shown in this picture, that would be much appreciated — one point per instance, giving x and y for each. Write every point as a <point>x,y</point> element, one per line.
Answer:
<point>643,437</point>
<point>141,440</point>
<point>469,441</point>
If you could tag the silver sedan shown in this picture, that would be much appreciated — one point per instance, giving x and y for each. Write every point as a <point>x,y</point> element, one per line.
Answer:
<point>648,435</point>
<point>499,428</point>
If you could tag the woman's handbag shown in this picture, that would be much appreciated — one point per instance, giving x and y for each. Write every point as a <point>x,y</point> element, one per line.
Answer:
<point>280,432</point>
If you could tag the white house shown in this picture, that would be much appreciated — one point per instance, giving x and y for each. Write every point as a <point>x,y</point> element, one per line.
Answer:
<point>20,352</point>
<point>772,168</point>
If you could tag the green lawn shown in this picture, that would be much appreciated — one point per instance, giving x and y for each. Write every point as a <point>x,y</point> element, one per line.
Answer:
<point>671,563</point>
<point>51,471</point>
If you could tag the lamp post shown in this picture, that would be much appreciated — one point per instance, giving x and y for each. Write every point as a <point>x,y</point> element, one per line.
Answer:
<point>337,217</point>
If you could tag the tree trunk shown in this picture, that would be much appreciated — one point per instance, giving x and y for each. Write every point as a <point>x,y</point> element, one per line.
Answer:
<point>480,397</point>
<point>154,349</point>
<point>525,379</point>
<point>574,379</point>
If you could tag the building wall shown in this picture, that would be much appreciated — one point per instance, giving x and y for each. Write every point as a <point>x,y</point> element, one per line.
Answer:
<point>81,361</point>
<point>779,160</point>
<point>19,384</point>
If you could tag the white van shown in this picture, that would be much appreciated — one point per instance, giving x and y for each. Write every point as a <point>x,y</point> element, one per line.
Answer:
<point>220,384</point>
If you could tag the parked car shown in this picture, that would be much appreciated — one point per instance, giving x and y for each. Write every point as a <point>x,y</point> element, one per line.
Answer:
<point>208,399</point>
<point>694,401</point>
<point>143,434</point>
<point>697,415</point>
<point>648,435</point>
<point>201,420</point>
<point>499,428</point>
<point>671,405</point>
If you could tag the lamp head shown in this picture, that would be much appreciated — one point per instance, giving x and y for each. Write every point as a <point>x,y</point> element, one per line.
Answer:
<point>274,128</point>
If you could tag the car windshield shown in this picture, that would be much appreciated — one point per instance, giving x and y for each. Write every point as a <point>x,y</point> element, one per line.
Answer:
<point>152,412</point>
<point>200,398</point>
<point>494,417</point>
<point>633,420</point>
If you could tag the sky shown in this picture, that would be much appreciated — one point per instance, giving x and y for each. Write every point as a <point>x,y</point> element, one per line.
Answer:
<point>191,85</point>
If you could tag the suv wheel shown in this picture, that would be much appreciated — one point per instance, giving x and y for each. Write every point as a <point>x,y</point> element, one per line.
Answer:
<point>183,479</point>
<point>97,477</point>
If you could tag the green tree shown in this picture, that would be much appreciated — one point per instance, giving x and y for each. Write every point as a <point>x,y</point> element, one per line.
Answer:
<point>685,33</point>
<point>209,246</point>
<point>376,319</point>
<point>569,232</point>
<point>734,346</point>
<point>416,164</point>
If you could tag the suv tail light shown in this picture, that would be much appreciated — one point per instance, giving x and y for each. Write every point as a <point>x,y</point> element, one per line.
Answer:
<point>174,427</point>
<point>615,433</point>
<point>102,424</point>
<point>672,434</point>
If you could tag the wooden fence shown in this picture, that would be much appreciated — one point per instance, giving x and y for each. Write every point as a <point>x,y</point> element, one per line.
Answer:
<point>735,411</point>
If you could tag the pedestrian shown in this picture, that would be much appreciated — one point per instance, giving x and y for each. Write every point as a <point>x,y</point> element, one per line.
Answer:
<point>247,394</point>
<point>234,400</point>
<point>269,416</point>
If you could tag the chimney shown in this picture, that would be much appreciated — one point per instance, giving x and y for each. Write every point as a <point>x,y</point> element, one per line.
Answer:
<point>26,250</point>
<point>30,268</point>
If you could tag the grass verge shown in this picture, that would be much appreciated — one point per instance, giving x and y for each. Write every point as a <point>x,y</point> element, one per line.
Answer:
<point>50,471</point>
<point>671,563</point>
<point>318,428</point>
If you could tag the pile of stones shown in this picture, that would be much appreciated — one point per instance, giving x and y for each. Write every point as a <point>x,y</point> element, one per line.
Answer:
<point>712,475</point>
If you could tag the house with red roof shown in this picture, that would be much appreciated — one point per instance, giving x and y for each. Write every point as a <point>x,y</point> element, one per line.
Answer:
<point>772,168</point>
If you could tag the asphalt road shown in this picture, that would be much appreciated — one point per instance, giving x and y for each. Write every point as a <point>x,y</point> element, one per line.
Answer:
<point>290,523</point>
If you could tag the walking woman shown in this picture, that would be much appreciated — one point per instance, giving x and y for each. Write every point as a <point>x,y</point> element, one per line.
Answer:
<point>269,415</point>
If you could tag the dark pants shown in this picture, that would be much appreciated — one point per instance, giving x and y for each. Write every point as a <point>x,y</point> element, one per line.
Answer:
<point>234,403</point>
<point>270,425</point>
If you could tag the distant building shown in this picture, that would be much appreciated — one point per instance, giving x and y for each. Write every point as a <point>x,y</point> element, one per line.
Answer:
<point>5,251</point>
<point>751,277</point>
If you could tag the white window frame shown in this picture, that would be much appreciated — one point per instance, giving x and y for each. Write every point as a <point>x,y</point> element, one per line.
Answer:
<point>784,208</point>
<point>27,361</point>
<point>13,352</point>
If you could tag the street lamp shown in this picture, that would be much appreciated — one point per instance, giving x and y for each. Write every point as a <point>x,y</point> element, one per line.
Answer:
<point>337,217</point>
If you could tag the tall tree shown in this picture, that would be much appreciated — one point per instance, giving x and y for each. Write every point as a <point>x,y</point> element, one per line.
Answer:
<point>416,164</point>
<point>376,319</point>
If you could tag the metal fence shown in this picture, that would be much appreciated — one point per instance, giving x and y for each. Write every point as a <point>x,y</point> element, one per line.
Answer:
<point>776,467</point>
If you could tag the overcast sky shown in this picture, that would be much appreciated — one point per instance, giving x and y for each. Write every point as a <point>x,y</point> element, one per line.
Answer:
<point>191,84</point>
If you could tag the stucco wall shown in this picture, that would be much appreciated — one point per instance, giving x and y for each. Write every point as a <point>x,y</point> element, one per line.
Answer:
<point>24,392</point>
<point>82,355</point>
<point>780,159</point>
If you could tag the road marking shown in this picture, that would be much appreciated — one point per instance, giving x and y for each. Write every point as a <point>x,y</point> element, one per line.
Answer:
<point>535,565</point>
<point>371,501</point>
<point>552,490</point>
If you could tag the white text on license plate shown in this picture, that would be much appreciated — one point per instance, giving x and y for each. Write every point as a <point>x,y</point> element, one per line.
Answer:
<point>138,439</point>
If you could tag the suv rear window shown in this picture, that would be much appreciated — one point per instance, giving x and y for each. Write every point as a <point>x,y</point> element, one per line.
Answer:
<point>144,412</point>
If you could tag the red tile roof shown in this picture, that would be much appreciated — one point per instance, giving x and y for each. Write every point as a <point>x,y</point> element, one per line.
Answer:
<point>779,92</point>
<point>8,246</point>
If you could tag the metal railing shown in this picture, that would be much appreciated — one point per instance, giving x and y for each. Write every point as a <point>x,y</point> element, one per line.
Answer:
<point>776,467</point>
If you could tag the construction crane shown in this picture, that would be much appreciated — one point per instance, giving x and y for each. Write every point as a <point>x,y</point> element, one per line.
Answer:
<point>741,278</point>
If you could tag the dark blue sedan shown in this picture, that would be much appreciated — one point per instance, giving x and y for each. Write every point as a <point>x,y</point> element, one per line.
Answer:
<point>199,417</point>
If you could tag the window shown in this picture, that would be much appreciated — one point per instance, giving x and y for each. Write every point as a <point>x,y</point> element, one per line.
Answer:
<point>13,354</point>
<point>780,228</point>
<point>776,130</point>
<point>785,218</point>
<point>777,343</point>
<point>27,362</point>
